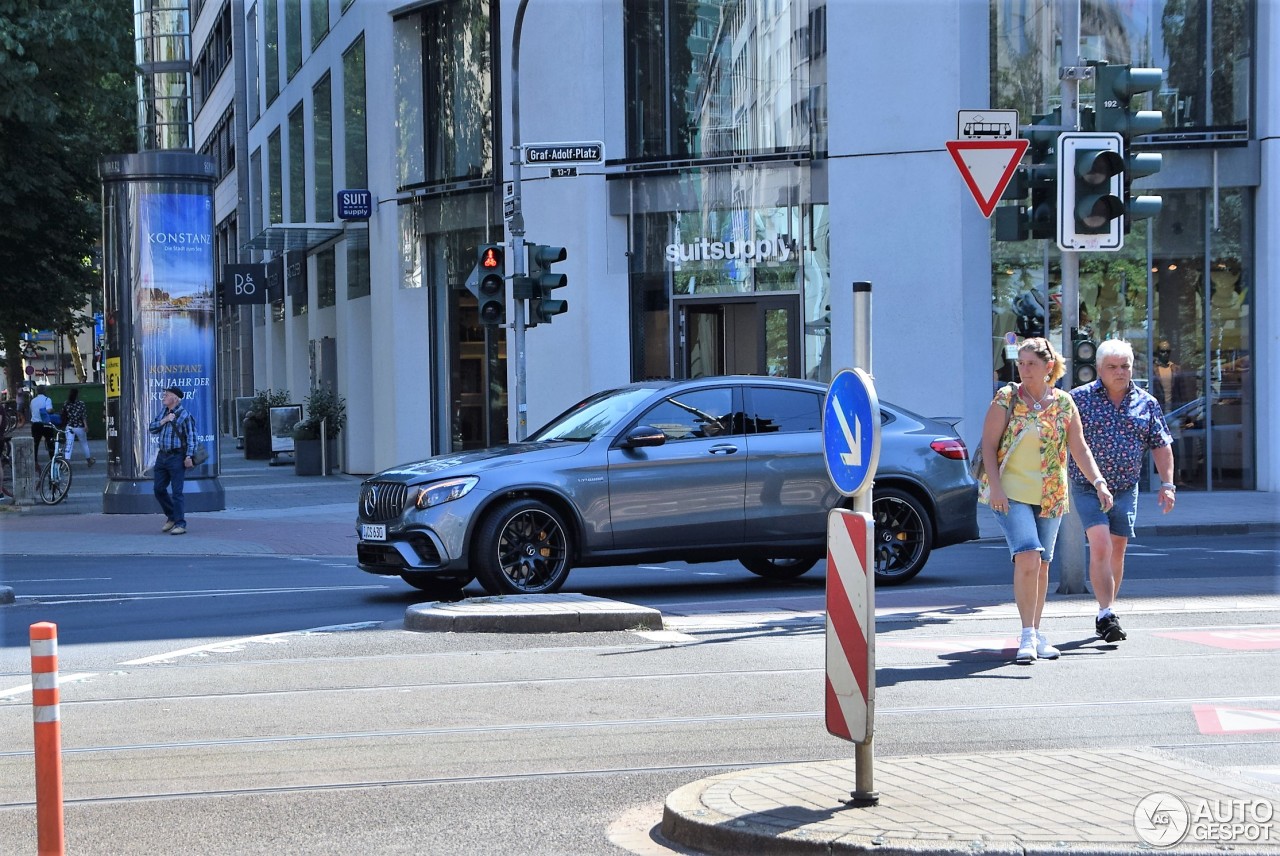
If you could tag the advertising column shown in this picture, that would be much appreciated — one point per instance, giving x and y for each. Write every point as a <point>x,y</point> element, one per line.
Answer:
<point>158,254</point>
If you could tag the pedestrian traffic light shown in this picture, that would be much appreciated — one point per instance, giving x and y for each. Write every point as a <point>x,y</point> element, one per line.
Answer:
<point>1114,88</point>
<point>488,282</point>
<point>1090,192</point>
<point>541,306</point>
<point>1084,357</point>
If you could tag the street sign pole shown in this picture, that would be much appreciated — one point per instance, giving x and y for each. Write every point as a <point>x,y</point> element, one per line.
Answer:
<point>1070,556</point>
<point>516,224</point>
<point>851,450</point>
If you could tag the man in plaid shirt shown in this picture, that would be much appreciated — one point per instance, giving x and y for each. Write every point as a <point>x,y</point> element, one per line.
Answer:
<point>175,429</point>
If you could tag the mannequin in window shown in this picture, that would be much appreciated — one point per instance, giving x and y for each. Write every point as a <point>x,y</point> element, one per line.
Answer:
<point>1171,386</point>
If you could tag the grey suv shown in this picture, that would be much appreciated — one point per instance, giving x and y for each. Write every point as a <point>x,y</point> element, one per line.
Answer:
<point>695,470</point>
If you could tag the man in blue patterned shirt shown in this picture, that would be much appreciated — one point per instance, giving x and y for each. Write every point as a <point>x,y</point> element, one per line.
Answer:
<point>177,436</point>
<point>1121,422</point>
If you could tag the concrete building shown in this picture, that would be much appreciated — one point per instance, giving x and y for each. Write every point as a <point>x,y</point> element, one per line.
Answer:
<point>759,157</point>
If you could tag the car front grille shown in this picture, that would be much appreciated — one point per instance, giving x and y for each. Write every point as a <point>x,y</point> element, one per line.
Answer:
<point>381,501</point>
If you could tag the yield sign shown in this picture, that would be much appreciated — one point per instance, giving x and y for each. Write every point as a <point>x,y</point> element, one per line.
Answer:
<point>987,166</point>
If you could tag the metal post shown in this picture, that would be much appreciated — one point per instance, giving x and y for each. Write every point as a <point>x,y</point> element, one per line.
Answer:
<point>519,262</point>
<point>324,447</point>
<point>864,792</point>
<point>1070,554</point>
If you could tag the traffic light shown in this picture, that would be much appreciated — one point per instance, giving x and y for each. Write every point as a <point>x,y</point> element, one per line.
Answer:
<point>1114,88</point>
<point>1090,191</point>
<point>488,282</point>
<point>1040,179</point>
<point>541,306</point>
<point>1084,358</point>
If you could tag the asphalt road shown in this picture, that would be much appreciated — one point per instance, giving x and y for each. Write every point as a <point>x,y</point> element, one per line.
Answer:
<point>205,711</point>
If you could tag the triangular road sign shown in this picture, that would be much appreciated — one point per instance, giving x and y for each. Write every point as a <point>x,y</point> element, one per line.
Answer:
<point>987,166</point>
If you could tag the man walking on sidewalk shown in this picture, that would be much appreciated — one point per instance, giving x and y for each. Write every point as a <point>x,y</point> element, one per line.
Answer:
<point>175,429</point>
<point>1121,422</point>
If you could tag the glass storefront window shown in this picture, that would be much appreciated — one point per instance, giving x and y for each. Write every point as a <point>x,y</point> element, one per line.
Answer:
<point>322,147</point>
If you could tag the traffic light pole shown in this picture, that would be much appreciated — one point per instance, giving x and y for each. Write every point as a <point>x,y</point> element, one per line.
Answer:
<point>1070,555</point>
<point>516,223</point>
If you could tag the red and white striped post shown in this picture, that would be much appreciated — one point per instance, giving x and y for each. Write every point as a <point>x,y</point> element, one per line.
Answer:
<point>48,739</point>
<point>850,695</point>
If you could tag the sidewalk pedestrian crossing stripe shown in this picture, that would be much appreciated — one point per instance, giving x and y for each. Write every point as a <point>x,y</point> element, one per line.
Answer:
<point>1235,720</point>
<point>1245,639</point>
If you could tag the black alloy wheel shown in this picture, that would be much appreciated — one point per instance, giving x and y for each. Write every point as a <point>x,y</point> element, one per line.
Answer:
<point>522,547</point>
<point>445,589</point>
<point>777,569</point>
<point>903,536</point>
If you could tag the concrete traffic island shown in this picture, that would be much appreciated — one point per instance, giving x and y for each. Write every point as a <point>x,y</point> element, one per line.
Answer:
<point>531,613</point>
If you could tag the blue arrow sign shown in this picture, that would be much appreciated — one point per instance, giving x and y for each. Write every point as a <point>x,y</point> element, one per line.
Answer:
<point>851,431</point>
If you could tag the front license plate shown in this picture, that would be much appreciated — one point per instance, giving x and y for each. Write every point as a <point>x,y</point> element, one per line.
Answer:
<point>373,531</point>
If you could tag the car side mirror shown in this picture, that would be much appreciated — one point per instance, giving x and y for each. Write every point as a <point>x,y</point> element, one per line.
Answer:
<point>642,436</point>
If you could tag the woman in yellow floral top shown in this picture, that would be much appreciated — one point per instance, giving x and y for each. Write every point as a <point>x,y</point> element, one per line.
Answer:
<point>1028,489</point>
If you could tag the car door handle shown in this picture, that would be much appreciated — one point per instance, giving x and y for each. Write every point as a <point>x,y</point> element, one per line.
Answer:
<point>723,449</point>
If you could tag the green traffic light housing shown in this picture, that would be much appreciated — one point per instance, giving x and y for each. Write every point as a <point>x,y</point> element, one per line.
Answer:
<point>542,307</point>
<point>1114,88</point>
<point>1084,358</point>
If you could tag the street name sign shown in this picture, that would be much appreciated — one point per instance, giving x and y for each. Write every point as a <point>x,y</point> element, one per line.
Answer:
<point>555,154</point>
<point>851,431</point>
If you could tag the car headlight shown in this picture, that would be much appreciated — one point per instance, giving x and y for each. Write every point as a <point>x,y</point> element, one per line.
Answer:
<point>445,491</point>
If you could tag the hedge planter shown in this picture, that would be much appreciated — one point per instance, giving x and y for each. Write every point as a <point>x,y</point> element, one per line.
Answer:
<point>306,457</point>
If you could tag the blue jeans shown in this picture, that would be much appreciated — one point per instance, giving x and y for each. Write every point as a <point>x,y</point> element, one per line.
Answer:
<point>1024,529</point>
<point>1119,520</point>
<point>170,471</point>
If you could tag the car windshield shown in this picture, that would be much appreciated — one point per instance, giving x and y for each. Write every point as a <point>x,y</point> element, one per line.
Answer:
<point>586,419</point>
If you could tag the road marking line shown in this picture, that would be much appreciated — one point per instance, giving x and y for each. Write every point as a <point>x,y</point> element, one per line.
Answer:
<point>62,679</point>
<point>232,645</point>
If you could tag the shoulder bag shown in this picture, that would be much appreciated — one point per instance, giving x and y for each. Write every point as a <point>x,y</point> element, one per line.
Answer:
<point>977,466</point>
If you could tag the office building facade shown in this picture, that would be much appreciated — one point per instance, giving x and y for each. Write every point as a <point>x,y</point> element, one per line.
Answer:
<point>759,157</point>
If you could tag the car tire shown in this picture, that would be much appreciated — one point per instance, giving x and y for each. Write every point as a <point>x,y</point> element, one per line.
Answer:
<point>777,569</point>
<point>903,537</point>
<point>522,547</point>
<point>447,589</point>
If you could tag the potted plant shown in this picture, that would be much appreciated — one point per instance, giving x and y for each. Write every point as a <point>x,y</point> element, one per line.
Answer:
<point>323,407</point>
<point>257,423</point>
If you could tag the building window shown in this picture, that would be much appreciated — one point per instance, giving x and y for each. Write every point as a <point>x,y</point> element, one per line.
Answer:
<point>271,48</point>
<point>322,147</point>
<point>293,36</point>
<point>358,267</point>
<point>458,89</point>
<point>275,180</point>
<point>326,278</point>
<point>297,166</point>
<point>251,66</point>
<point>356,174</point>
<point>319,21</point>
<point>707,80</point>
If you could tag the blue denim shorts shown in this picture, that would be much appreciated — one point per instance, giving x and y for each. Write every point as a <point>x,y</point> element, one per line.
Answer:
<point>1024,529</point>
<point>1119,520</point>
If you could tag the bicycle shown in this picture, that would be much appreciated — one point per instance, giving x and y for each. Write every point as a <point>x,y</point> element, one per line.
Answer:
<point>55,478</point>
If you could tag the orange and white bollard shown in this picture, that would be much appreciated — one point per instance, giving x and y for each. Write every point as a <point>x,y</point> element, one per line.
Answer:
<point>48,739</point>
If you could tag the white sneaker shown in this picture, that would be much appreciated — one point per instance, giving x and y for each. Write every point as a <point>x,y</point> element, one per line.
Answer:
<point>1044,650</point>
<point>1027,647</point>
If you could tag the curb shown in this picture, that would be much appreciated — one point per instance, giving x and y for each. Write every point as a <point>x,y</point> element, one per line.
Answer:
<point>531,613</point>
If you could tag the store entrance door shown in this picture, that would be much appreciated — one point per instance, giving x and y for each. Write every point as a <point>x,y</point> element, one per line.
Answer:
<point>751,335</point>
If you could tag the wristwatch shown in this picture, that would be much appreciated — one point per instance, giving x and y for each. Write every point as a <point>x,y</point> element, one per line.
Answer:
<point>1102,479</point>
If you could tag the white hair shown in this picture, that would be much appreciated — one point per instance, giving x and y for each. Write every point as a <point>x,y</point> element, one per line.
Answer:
<point>1114,348</point>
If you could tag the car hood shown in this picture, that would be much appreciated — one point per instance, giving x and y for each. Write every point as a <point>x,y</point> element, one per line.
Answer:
<point>478,462</point>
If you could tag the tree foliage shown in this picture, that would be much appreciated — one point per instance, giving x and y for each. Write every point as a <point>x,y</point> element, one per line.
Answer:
<point>66,99</point>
